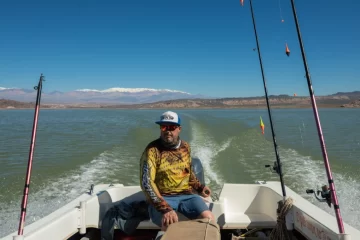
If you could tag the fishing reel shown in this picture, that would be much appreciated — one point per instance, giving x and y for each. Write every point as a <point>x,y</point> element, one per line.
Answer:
<point>324,193</point>
<point>40,82</point>
<point>275,168</point>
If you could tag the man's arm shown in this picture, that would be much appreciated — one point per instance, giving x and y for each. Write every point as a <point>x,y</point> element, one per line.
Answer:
<point>195,183</point>
<point>147,181</point>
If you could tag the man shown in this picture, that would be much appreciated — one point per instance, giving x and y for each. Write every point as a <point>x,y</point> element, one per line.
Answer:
<point>166,177</point>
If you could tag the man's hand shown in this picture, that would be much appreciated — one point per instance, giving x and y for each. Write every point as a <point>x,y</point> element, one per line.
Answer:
<point>206,192</point>
<point>169,218</point>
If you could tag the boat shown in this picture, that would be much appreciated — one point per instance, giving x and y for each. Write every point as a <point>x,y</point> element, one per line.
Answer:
<point>262,210</point>
<point>240,210</point>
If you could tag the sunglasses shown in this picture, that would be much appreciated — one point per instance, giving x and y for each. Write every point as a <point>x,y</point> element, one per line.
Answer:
<point>168,127</point>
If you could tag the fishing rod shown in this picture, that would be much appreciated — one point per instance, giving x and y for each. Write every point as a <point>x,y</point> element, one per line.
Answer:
<point>31,154</point>
<point>277,164</point>
<point>317,120</point>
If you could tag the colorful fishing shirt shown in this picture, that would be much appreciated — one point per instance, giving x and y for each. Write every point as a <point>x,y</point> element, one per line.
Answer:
<point>165,171</point>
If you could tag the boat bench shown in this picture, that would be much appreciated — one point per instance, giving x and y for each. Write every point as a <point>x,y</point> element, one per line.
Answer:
<point>239,207</point>
<point>148,224</point>
<point>227,220</point>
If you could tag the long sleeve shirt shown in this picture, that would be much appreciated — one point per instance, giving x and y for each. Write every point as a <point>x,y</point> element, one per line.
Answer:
<point>166,171</point>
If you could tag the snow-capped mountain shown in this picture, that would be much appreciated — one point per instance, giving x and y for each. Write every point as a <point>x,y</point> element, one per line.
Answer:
<point>111,95</point>
<point>130,90</point>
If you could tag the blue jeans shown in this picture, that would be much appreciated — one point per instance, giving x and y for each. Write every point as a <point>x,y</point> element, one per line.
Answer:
<point>191,206</point>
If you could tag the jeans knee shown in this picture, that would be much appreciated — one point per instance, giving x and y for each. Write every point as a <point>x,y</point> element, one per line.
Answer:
<point>207,214</point>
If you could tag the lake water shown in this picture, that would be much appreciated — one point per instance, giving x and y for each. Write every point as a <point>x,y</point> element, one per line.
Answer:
<point>77,148</point>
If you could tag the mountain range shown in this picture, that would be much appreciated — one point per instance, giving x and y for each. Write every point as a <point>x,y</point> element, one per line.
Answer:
<point>91,96</point>
<point>130,96</point>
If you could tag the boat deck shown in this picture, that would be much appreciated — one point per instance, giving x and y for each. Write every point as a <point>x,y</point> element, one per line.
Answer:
<point>239,208</point>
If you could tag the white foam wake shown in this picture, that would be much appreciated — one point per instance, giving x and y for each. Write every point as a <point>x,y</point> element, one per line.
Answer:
<point>204,147</point>
<point>303,172</point>
<point>55,194</point>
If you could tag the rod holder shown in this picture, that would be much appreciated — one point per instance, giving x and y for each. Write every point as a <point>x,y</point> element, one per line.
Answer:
<point>344,236</point>
<point>82,229</point>
<point>21,237</point>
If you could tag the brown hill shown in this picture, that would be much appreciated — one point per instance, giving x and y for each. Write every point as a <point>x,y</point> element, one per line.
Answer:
<point>11,104</point>
<point>252,102</point>
<point>352,104</point>
<point>281,101</point>
<point>4,103</point>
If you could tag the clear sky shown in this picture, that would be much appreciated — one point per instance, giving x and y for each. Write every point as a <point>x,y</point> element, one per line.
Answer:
<point>197,46</point>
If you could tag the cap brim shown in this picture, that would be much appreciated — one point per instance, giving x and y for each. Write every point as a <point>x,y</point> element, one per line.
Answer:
<point>167,122</point>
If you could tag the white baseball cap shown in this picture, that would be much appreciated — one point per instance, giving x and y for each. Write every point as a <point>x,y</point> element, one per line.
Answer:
<point>169,117</point>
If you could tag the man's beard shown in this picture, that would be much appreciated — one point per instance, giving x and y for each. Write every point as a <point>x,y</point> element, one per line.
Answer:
<point>170,143</point>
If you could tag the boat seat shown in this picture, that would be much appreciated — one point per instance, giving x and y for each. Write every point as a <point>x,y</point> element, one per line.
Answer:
<point>148,224</point>
<point>248,220</point>
<point>226,220</point>
<point>199,229</point>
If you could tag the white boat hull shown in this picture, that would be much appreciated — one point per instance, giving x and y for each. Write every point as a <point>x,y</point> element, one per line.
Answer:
<point>240,206</point>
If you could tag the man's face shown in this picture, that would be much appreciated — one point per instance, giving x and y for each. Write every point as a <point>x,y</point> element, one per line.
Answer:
<point>170,133</point>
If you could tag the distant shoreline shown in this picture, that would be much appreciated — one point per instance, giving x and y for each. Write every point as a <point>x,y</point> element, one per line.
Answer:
<point>224,103</point>
<point>181,108</point>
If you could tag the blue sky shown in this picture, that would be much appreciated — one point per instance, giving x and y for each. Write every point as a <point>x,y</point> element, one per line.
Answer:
<point>201,47</point>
